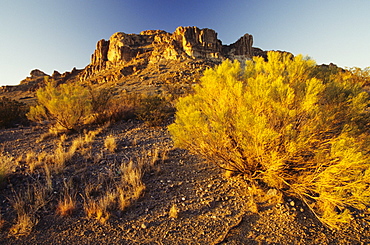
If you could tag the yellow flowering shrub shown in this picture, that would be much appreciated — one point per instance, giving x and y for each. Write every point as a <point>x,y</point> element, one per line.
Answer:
<point>282,126</point>
<point>68,105</point>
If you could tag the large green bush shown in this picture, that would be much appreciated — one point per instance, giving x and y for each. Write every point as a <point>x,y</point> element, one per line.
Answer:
<point>282,127</point>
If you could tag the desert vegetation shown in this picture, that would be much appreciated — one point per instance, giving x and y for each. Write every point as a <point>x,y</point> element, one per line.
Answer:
<point>67,104</point>
<point>50,186</point>
<point>12,112</point>
<point>282,127</point>
<point>67,108</point>
<point>282,130</point>
<point>7,166</point>
<point>72,106</point>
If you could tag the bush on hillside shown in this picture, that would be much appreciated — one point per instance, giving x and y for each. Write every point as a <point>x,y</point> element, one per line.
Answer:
<point>68,105</point>
<point>12,112</point>
<point>72,105</point>
<point>107,107</point>
<point>154,110</point>
<point>282,127</point>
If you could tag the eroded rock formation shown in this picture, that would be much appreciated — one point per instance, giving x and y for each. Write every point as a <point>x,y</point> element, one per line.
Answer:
<point>152,59</point>
<point>124,54</point>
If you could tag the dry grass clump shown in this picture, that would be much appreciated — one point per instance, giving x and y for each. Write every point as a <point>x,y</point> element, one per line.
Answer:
<point>90,135</point>
<point>53,132</point>
<point>100,208</point>
<point>56,161</point>
<point>106,195</point>
<point>131,181</point>
<point>110,143</point>
<point>67,203</point>
<point>111,192</point>
<point>6,166</point>
<point>174,212</point>
<point>26,204</point>
<point>61,156</point>
<point>35,161</point>
<point>24,224</point>
<point>98,202</point>
<point>48,176</point>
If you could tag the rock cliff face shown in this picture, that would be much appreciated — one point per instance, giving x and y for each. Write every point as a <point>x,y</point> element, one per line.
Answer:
<point>154,60</point>
<point>198,43</point>
<point>125,54</point>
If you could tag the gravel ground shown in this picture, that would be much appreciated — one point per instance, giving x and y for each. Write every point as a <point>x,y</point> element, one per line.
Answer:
<point>211,208</point>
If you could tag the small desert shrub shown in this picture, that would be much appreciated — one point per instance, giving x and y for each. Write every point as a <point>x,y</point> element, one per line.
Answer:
<point>154,110</point>
<point>12,112</point>
<point>107,107</point>
<point>284,128</point>
<point>110,143</point>
<point>71,106</point>
<point>123,107</point>
<point>67,105</point>
<point>100,99</point>
<point>362,76</point>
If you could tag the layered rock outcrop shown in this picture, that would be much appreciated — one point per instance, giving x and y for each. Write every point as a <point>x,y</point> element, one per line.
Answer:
<point>127,53</point>
<point>199,43</point>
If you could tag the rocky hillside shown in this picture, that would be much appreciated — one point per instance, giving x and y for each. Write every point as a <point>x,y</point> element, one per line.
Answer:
<point>153,61</point>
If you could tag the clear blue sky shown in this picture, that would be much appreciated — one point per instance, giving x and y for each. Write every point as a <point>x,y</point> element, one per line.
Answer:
<point>61,34</point>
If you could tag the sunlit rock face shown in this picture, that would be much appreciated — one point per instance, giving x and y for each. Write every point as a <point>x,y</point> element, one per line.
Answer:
<point>198,43</point>
<point>153,46</point>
